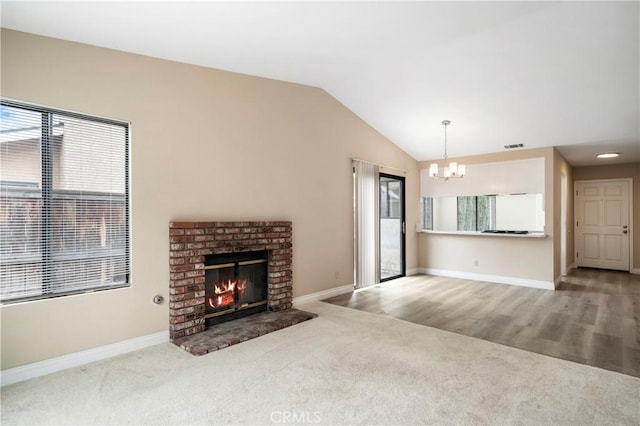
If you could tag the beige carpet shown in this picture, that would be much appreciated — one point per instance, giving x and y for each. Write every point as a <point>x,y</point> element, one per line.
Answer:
<point>344,367</point>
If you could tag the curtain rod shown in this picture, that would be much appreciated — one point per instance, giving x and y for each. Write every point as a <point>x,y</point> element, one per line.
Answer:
<point>379,165</point>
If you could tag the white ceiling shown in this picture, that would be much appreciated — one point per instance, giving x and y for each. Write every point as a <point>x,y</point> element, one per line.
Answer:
<point>563,74</point>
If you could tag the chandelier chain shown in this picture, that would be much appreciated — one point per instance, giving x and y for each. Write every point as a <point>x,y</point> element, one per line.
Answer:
<point>445,143</point>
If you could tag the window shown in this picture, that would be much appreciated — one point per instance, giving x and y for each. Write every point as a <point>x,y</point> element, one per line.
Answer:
<point>64,203</point>
<point>476,213</point>
<point>390,207</point>
<point>427,213</point>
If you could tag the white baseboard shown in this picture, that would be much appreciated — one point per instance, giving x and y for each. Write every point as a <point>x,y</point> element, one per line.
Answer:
<point>569,269</point>
<point>52,365</point>
<point>523,282</point>
<point>324,294</point>
<point>412,271</point>
<point>557,281</point>
<point>634,271</point>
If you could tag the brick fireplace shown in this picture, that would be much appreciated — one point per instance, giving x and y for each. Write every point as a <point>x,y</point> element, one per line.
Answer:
<point>191,242</point>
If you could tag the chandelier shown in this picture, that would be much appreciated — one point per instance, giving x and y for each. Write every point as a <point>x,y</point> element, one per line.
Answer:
<point>454,170</point>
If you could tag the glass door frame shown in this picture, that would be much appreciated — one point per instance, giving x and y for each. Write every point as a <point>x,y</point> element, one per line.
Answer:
<point>403,241</point>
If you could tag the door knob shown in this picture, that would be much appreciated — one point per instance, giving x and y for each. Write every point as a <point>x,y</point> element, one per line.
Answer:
<point>625,231</point>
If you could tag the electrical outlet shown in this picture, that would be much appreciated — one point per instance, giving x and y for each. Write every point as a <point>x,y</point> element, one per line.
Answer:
<point>475,263</point>
<point>337,275</point>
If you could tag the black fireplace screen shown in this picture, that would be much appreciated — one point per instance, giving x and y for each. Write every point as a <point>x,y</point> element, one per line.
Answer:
<point>235,285</point>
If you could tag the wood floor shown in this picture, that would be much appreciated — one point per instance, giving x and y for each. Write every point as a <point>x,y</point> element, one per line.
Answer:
<point>592,318</point>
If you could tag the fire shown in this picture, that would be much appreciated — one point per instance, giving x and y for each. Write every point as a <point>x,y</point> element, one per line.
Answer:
<point>228,293</point>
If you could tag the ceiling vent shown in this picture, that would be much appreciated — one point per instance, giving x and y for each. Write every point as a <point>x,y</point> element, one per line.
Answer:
<point>514,146</point>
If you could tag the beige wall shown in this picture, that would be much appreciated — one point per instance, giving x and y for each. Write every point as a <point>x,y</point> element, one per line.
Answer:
<point>560,168</point>
<point>526,258</point>
<point>617,171</point>
<point>206,144</point>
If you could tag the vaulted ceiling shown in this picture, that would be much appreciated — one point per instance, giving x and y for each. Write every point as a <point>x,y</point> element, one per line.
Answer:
<point>563,74</point>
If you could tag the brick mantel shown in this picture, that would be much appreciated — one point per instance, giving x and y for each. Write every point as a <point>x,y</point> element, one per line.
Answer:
<point>190,242</point>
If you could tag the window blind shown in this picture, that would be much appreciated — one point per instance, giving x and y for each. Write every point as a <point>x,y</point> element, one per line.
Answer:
<point>64,205</point>
<point>366,218</point>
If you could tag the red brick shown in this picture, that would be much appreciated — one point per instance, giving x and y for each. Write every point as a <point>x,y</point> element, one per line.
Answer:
<point>181,239</point>
<point>213,244</point>
<point>180,283</point>
<point>194,330</point>
<point>180,268</point>
<point>205,224</point>
<point>193,246</point>
<point>222,250</point>
<point>194,232</point>
<point>181,253</point>
<point>179,298</point>
<point>282,251</point>
<point>181,225</point>
<point>177,319</point>
<point>176,275</point>
<point>173,335</point>
<point>185,289</point>
<point>193,274</point>
<point>183,325</point>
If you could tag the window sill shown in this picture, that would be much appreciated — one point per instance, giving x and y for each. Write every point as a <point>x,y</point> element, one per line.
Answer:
<point>482,234</point>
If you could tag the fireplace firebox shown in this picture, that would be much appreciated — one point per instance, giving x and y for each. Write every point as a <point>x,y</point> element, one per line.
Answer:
<point>235,285</point>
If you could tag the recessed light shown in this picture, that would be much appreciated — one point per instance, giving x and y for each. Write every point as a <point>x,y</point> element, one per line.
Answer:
<point>608,155</point>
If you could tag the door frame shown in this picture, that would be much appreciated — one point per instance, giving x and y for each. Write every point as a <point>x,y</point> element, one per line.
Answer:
<point>563,225</point>
<point>403,243</point>
<point>575,213</point>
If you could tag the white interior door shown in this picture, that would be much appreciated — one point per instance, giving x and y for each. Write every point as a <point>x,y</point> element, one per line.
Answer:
<point>602,224</point>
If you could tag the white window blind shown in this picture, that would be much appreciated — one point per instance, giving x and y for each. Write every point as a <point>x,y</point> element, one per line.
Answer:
<point>366,217</point>
<point>64,205</point>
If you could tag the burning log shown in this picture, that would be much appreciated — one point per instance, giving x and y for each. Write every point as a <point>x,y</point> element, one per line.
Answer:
<point>227,294</point>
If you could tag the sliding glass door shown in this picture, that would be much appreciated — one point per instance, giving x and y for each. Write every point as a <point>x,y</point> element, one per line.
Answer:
<point>392,227</point>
